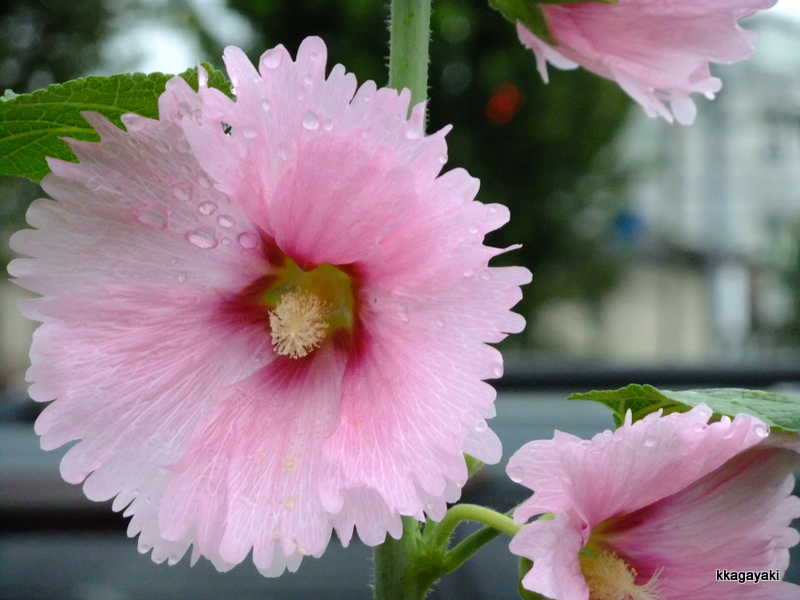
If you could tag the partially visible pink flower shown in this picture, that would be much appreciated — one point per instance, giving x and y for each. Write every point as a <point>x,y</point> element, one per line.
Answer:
<point>265,319</point>
<point>652,510</point>
<point>656,50</point>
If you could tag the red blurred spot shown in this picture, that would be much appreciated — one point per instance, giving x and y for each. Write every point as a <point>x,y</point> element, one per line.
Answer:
<point>503,104</point>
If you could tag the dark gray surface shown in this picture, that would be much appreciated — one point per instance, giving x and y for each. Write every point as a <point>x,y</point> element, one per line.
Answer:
<point>97,565</point>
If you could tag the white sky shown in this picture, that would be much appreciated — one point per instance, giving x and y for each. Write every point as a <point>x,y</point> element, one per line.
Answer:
<point>789,8</point>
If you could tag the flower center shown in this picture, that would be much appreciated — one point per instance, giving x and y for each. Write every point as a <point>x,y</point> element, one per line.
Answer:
<point>306,306</point>
<point>610,578</point>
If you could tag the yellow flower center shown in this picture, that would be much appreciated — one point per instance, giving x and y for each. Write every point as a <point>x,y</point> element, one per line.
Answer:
<point>610,578</point>
<point>306,306</point>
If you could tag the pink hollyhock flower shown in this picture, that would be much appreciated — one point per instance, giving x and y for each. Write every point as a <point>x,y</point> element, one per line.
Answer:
<point>655,50</point>
<point>267,318</point>
<point>652,510</point>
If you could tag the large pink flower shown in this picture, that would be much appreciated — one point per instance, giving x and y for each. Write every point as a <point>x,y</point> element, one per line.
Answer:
<point>652,510</point>
<point>266,318</point>
<point>656,50</point>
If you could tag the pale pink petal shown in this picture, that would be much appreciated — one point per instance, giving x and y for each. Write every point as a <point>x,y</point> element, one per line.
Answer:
<point>657,51</point>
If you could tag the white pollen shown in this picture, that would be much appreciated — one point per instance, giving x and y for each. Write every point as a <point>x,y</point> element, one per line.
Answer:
<point>298,324</point>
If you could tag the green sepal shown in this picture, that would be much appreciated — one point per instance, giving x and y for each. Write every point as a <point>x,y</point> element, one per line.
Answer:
<point>526,565</point>
<point>779,411</point>
<point>473,465</point>
<point>528,13</point>
<point>32,125</point>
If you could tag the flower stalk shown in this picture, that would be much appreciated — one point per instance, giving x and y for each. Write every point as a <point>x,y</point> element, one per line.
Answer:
<point>409,31</point>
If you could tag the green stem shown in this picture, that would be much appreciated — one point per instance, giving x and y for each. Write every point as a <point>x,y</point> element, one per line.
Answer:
<point>465,549</point>
<point>393,577</point>
<point>409,31</point>
<point>473,512</point>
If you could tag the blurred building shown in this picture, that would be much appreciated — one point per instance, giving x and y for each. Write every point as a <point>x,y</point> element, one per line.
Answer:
<point>716,208</point>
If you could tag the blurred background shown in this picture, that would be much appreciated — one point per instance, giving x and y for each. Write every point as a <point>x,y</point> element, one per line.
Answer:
<point>660,254</point>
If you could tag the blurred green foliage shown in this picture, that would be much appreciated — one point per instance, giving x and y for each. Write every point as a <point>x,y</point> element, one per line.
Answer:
<point>536,148</point>
<point>42,42</point>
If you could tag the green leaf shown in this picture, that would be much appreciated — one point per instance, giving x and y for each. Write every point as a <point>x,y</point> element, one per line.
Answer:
<point>31,125</point>
<point>779,411</point>
<point>473,465</point>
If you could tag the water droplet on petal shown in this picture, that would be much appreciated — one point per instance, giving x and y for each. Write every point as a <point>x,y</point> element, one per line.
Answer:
<point>225,221</point>
<point>247,240</point>
<point>308,78</point>
<point>181,192</point>
<point>182,277</point>
<point>486,275</point>
<point>439,323</point>
<point>202,238</point>
<point>162,146</point>
<point>310,121</point>
<point>761,431</point>
<point>132,141</point>
<point>266,105</point>
<point>650,442</point>
<point>473,230</point>
<point>497,369</point>
<point>94,184</point>
<point>144,548</point>
<point>469,274</point>
<point>206,208</point>
<point>327,125</point>
<point>413,133</point>
<point>442,158</point>
<point>249,132</point>
<point>204,182</point>
<point>481,426</point>
<point>516,474</point>
<point>153,217</point>
<point>402,312</point>
<point>314,56</point>
<point>272,59</point>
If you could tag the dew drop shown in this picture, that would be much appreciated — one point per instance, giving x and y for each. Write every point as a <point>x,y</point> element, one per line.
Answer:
<point>413,133</point>
<point>207,208</point>
<point>761,431</point>
<point>301,95</point>
<point>182,277</point>
<point>204,182</point>
<point>132,141</point>
<point>327,125</point>
<point>310,121</point>
<point>473,230</point>
<point>153,217</point>
<point>225,221</point>
<point>197,116</point>
<point>247,240</point>
<point>497,369</point>
<point>442,158</point>
<point>650,442</point>
<point>93,184</point>
<point>184,146</point>
<point>144,548</point>
<point>486,275</point>
<point>516,474</point>
<point>181,192</point>
<point>402,312</point>
<point>439,323</point>
<point>314,56</point>
<point>173,559</point>
<point>481,426</point>
<point>266,105</point>
<point>492,210</point>
<point>202,238</point>
<point>469,274</point>
<point>272,59</point>
<point>162,146</point>
<point>308,78</point>
<point>249,132</point>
